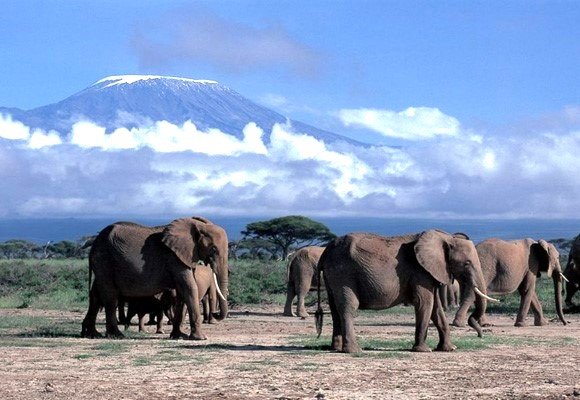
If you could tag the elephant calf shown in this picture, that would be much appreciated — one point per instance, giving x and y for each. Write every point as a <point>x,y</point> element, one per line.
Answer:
<point>367,271</point>
<point>141,306</point>
<point>301,277</point>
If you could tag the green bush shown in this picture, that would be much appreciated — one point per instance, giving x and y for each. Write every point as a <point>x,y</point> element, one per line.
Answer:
<point>257,281</point>
<point>58,284</point>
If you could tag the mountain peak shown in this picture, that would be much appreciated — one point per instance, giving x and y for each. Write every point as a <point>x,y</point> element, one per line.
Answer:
<point>130,79</point>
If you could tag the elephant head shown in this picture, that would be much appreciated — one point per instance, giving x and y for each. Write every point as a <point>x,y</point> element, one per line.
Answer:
<point>198,239</point>
<point>546,258</point>
<point>446,257</point>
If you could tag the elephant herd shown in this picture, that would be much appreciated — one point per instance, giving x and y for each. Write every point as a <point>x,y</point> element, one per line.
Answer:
<point>188,258</point>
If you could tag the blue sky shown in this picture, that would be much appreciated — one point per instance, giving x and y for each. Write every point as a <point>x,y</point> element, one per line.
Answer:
<point>492,81</point>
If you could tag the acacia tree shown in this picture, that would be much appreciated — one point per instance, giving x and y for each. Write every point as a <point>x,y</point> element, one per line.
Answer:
<point>289,232</point>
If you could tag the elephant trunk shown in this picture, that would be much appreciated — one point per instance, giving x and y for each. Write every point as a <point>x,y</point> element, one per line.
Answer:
<point>557,276</point>
<point>222,282</point>
<point>479,286</point>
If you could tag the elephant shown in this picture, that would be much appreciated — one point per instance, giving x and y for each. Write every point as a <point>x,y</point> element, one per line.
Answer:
<point>141,306</point>
<point>207,291</point>
<point>368,271</point>
<point>572,273</point>
<point>301,275</point>
<point>515,265</point>
<point>449,295</point>
<point>132,260</point>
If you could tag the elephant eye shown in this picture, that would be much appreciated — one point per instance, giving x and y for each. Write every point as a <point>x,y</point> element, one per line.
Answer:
<point>213,251</point>
<point>468,264</point>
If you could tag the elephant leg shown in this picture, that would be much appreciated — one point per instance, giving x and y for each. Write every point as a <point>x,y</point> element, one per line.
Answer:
<point>440,322</point>
<point>187,290</point>
<point>443,294</point>
<point>111,317</point>
<point>122,315</point>
<point>526,290</point>
<point>290,294</point>
<point>348,303</point>
<point>467,300</point>
<point>159,315</point>
<point>423,302</point>
<point>302,292</point>
<point>536,306</point>
<point>336,326</point>
<point>89,328</point>
<point>571,290</point>
<point>179,312</point>
<point>141,317</point>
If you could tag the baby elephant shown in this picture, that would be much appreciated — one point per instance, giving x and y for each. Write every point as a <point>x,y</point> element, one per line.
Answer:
<point>367,271</point>
<point>301,277</point>
<point>142,306</point>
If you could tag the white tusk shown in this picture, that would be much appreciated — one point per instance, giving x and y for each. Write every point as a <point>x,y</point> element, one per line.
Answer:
<point>219,292</point>
<point>476,290</point>
<point>563,277</point>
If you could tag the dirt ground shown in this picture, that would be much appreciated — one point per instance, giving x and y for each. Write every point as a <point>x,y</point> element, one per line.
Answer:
<point>258,354</point>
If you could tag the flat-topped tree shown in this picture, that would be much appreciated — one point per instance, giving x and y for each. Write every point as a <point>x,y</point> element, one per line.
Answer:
<point>290,231</point>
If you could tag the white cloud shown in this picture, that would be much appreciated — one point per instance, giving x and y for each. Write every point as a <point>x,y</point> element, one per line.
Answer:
<point>414,123</point>
<point>13,130</point>
<point>169,169</point>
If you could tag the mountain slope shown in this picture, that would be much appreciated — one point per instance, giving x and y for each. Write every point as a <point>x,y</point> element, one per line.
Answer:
<point>138,100</point>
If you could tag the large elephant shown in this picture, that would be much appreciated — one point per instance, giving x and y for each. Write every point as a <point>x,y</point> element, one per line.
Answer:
<point>515,265</point>
<point>367,271</point>
<point>572,272</point>
<point>132,260</point>
<point>301,277</point>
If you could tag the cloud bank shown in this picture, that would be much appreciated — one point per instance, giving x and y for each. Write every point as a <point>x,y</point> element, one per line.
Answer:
<point>163,169</point>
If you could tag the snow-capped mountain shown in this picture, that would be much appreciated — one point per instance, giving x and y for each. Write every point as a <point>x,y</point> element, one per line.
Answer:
<point>139,100</point>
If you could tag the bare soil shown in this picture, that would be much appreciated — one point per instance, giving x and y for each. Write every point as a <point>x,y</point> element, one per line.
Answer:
<point>258,354</point>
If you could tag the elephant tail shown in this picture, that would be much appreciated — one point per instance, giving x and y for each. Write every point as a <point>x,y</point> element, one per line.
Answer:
<point>319,315</point>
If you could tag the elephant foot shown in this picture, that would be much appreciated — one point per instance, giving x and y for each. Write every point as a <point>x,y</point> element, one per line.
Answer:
<point>446,347</point>
<point>303,315</point>
<point>459,323</point>
<point>159,331</point>
<point>541,322</point>
<point>337,343</point>
<point>421,348</point>
<point>197,336</point>
<point>115,335</point>
<point>91,333</point>
<point>177,335</point>
<point>351,348</point>
<point>520,323</point>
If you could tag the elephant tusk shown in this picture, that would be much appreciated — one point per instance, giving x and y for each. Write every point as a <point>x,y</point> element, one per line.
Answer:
<point>217,287</point>
<point>476,290</point>
<point>563,277</point>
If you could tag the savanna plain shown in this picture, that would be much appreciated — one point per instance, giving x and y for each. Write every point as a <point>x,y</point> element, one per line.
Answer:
<point>256,353</point>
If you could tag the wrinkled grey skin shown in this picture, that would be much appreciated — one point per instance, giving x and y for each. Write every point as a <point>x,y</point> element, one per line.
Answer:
<point>572,272</point>
<point>367,271</point>
<point>301,278</point>
<point>207,295</point>
<point>132,260</point>
<point>449,295</point>
<point>515,265</point>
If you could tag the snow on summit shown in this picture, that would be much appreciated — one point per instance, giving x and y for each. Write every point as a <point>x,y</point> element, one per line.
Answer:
<point>129,79</point>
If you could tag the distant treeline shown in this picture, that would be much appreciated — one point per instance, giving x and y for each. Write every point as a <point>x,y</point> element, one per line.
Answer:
<point>23,249</point>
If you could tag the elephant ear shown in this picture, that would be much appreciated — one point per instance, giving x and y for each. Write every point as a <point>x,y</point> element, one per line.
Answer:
<point>181,236</point>
<point>542,249</point>
<point>461,235</point>
<point>431,249</point>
